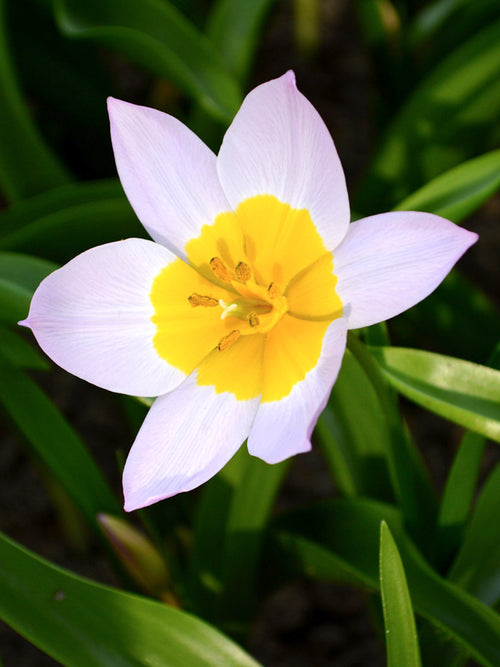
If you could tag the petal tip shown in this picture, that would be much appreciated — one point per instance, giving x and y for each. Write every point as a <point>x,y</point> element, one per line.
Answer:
<point>25,323</point>
<point>473,238</point>
<point>133,501</point>
<point>290,79</point>
<point>111,102</point>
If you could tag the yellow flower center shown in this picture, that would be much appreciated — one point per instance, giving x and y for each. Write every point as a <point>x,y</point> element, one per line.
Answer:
<point>251,308</point>
<point>258,308</point>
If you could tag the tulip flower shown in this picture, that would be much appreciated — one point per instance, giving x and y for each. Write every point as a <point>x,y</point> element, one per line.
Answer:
<point>235,315</point>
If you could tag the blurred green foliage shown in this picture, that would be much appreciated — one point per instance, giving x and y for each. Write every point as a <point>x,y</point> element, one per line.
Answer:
<point>435,108</point>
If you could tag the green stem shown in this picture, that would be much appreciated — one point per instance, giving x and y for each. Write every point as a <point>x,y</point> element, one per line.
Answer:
<point>408,475</point>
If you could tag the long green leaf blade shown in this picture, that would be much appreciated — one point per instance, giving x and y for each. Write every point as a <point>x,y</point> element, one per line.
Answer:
<point>457,305</point>
<point>79,216</point>
<point>409,476</point>
<point>477,565</point>
<point>460,489</point>
<point>84,624</point>
<point>433,131</point>
<point>19,352</point>
<point>459,192</point>
<point>157,36</point>
<point>234,26</point>
<point>463,392</point>
<point>53,440</point>
<point>19,276</point>
<point>249,515</point>
<point>27,164</point>
<point>232,516</point>
<point>343,536</point>
<point>353,434</point>
<point>400,631</point>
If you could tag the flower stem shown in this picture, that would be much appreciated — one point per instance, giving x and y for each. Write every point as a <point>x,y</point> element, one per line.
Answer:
<point>408,474</point>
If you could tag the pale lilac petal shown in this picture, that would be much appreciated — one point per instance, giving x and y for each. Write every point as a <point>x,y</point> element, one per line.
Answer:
<point>167,172</point>
<point>93,318</point>
<point>277,144</point>
<point>389,262</point>
<point>187,437</point>
<point>283,428</point>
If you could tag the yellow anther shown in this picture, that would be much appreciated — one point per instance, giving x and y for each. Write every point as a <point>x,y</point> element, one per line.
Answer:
<point>272,291</point>
<point>220,270</point>
<point>228,340</point>
<point>201,300</point>
<point>242,272</point>
<point>253,320</point>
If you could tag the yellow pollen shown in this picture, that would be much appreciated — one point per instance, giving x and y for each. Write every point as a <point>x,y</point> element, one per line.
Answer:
<point>253,320</point>
<point>242,272</point>
<point>272,291</point>
<point>228,340</point>
<point>201,300</point>
<point>220,270</point>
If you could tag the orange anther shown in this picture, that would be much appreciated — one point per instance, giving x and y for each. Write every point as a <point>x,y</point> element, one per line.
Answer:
<point>273,291</point>
<point>253,320</point>
<point>220,270</point>
<point>242,272</point>
<point>201,300</point>
<point>228,340</point>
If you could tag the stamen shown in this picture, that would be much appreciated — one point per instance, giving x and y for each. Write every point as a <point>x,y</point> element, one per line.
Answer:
<point>242,272</point>
<point>220,270</point>
<point>228,340</point>
<point>273,291</point>
<point>253,320</point>
<point>201,300</point>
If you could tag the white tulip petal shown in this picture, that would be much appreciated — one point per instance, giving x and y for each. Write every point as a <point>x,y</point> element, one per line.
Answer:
<point>389,262</point>
<point>167,172</point>
<point>278,144</point>
<point>186,438</point>
<point>93,318</point>
<point>283,428</point>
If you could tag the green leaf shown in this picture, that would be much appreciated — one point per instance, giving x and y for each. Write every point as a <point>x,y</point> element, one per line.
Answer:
<point>382,29</point>
<point>67,80</point>
<point>158,37</point>
<point>460,191</point>
<point>408,475</point>
<point>27,164</point>
<point>449,118</point>
<point>457,305</point>
<point>249,514</point>
<point>79,216</point>
<point>19,352</point>
<point>212,512</point>
<point>477,565</point>
<point>463,392</point>
<point>25,271</point>
<point>84,624</point>
<point>55,442</point>
<point>19,277</point>
<point>234,27</point>
<point>400,631</point>
<point>344,534</point>
<point>443,25</point>
<point>353,434</point>
<point>232,516</point>
<point>460,489</point>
